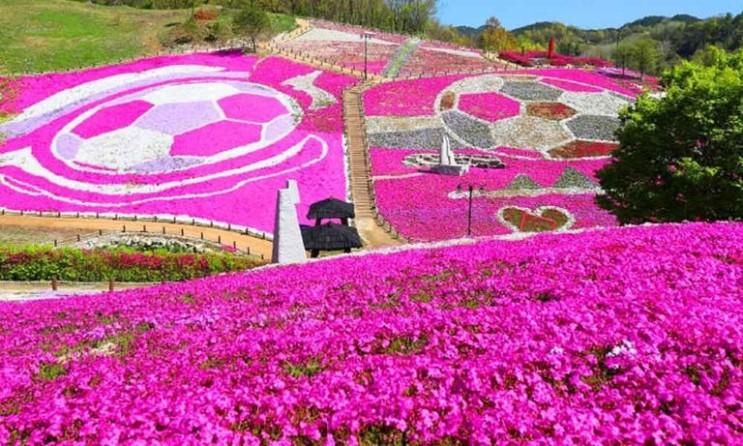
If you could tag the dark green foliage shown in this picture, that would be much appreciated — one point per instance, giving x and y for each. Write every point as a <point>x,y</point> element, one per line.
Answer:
<point>681,157</point>
<point>251,21</point>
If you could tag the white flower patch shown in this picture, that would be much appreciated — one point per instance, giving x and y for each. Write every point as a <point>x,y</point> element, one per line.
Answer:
<point>306,83</point>
<point>197,92</point>
<point>530,132</point>
<point>624,348</point>
<point>603,104</point>
<point>330,35</point>
<point>385,124</point>
<point>123,149</point>
<point>487,83</point>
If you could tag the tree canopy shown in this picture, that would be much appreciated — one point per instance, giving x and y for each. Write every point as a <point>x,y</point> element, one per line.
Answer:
<point>251,21</point>
<point>496,38</point>
<point>681,156</point>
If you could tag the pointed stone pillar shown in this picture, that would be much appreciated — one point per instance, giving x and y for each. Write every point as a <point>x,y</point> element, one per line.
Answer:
<point>447,161</point>
<point>446,157</point>
<point>288,246</point>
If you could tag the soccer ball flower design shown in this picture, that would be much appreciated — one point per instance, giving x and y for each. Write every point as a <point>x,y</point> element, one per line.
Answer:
<point>206,136</point>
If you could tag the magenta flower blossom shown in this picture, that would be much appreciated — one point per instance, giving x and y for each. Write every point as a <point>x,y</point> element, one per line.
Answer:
<point>204,136</point>
<point>621,336</point>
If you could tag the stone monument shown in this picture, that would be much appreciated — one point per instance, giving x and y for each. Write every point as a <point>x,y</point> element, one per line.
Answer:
<point>288,246</point>
<point>447,161</point>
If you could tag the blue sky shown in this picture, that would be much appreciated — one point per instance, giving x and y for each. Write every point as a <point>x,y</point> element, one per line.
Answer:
<point>582,13</point>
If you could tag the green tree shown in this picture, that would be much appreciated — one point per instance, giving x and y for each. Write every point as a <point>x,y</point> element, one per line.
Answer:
<point>646,55</point>
<point>495,38</point>
<point>681,156</point>
<point>251,21</point>
<point>708,56</point>
<point>622,56</point>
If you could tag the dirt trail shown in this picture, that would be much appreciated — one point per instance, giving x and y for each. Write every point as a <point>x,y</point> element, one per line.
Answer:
<point>87,226</point>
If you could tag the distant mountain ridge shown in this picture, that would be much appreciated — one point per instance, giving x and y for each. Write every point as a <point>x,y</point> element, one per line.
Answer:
<point>644,22</point>
<point>676,37</point>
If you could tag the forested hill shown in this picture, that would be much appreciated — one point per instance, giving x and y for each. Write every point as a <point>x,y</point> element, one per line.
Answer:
<point>681,35</point>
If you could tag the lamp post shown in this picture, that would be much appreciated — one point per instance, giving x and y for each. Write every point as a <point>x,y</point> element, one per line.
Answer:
<point>366,35</point>
<point>471,191</point>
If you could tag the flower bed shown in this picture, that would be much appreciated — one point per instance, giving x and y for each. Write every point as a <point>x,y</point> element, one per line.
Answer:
<point>120,264</point>
<point>205,136</point>
<point>628,336</point>
<point>344,46</point>
<point>429,61</point>
<point>538,122</point>
<point>358,30</point>
<point>425,206</point>
<point>346,54</point>
<point>535,58</point>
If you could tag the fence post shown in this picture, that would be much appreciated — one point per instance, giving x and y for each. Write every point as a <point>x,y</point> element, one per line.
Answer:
<point>110,285</point>
<point>54,284</point>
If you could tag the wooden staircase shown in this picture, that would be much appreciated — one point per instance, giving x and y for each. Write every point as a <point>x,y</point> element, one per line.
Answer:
<point>367,219</point>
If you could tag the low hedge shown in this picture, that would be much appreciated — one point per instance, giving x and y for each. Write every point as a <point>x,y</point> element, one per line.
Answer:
<point>119,264</point>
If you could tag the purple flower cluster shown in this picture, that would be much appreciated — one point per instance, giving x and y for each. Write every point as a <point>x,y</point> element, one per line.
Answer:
<point>622,336</point>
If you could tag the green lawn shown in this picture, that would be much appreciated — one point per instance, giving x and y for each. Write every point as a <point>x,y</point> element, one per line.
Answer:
<point>50,35</point>
<point>47,35</point>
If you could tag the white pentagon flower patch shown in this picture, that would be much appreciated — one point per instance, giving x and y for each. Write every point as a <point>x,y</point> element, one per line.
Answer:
<point>123,149</point>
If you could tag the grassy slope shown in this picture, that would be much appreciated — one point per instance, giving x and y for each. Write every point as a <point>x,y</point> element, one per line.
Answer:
<point>49,35</point>
<point>45,35</point>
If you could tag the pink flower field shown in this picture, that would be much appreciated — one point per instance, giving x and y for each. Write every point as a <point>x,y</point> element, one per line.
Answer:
<point>552,130</point>
<point>208,136</point>
<point>622,336</point>
<point>425,206</point>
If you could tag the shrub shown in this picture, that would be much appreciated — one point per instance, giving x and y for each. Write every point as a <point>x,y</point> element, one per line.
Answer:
<point>121,264</point>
